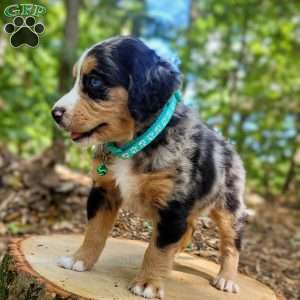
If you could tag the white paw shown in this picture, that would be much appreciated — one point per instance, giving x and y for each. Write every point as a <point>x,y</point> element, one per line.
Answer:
<point>225,285</point>
<point>65,262</point>
<point>68,262</point>
<point>79,266</point>
<point>147,291</point>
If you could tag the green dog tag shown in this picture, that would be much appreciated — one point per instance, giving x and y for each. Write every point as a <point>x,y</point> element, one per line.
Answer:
<point>101,169</point>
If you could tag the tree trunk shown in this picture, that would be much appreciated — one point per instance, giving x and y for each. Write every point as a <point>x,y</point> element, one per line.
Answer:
<point>29,271</point>
<point>68,56</point>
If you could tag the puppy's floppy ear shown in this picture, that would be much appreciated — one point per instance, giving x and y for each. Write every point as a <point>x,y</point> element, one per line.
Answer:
<point>152,82</point>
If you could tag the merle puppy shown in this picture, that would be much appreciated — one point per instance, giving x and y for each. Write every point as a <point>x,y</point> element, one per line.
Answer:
<point>120,88</point>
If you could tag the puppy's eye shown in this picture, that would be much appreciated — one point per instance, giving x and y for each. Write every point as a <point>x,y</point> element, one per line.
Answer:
<point>94,82</point>
<point>94,87</point>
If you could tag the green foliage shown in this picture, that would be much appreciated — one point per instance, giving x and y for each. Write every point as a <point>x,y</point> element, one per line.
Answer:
<point>244,56</point>
<point>240,60</point>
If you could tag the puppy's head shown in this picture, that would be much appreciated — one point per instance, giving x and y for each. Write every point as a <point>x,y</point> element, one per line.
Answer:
<point>119,84</point>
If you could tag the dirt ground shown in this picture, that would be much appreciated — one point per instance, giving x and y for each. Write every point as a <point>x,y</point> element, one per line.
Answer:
<point>36,198</point>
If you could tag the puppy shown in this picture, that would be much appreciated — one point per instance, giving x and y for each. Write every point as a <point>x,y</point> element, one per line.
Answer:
<point>121,87</point>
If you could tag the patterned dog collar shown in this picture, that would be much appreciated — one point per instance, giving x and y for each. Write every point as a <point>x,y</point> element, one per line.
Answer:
<point>133,147</point>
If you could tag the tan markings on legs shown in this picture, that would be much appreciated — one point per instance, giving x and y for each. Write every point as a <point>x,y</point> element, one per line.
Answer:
<point>229,254</point>
<point>187,237</point>
<point>98,227</point>
<point>157,265</point>
<point>96,234</point>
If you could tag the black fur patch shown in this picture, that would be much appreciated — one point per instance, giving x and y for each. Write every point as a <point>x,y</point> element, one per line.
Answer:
<point>172,224</point>
<point>239,237</point>
<point>152,79</point>
<point>238,240</point>
<point>227,156</point>
<point>96,200</point>
<point>203,170</point>
<point>128,62</point>
<point>231,201</point>
<point>108,67</point>
<point>95,93</point>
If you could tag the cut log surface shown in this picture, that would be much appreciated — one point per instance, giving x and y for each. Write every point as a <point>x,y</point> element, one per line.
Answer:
<point>29,271</point>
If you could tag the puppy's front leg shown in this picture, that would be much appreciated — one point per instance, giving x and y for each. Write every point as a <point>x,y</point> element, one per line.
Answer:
<point>156,266</point>
<point>171,234</point>
<point>102,209</point>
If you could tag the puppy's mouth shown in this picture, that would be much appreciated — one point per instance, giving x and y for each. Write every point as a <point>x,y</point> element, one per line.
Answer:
<point>77,136</point>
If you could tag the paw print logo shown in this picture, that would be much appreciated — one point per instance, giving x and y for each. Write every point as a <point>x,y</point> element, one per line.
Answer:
<point>24,31</point>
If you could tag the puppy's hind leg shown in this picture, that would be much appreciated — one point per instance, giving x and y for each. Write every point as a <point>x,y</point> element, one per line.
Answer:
<point>230,229</point>
<point>101,216</point>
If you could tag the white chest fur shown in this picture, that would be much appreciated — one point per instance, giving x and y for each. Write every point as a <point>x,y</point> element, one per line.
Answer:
<point>128,183</point>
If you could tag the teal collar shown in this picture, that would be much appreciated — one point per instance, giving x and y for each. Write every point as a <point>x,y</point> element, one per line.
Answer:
<point>133,147</point>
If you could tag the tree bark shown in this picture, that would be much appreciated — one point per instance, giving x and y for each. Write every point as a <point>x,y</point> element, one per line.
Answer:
<point>19,281</point>
<point>68,56</point>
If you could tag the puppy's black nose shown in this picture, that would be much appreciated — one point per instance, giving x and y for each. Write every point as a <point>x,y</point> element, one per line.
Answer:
<point>57,114</point>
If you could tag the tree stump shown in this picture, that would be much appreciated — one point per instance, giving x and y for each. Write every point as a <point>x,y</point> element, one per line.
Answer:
<point>29,271</point>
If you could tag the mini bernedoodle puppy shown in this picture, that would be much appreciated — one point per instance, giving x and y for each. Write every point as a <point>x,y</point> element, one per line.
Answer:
<point>120,89</point>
